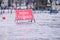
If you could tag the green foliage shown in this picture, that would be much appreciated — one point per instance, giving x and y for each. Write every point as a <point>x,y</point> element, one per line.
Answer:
<point>44,7</point>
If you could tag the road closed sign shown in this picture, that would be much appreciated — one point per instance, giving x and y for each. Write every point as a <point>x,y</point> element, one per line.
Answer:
<point>24,15</point>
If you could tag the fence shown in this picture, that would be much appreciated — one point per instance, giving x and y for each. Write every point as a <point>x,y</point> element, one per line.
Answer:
<point>34,11</point>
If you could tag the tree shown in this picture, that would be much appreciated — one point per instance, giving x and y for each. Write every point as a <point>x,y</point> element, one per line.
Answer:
<point>0,2</point>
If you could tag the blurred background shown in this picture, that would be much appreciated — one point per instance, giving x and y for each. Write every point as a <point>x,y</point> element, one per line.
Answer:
<point>30,4</point>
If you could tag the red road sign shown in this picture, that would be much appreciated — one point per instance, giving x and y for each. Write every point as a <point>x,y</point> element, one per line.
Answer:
<point>24,15</point>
